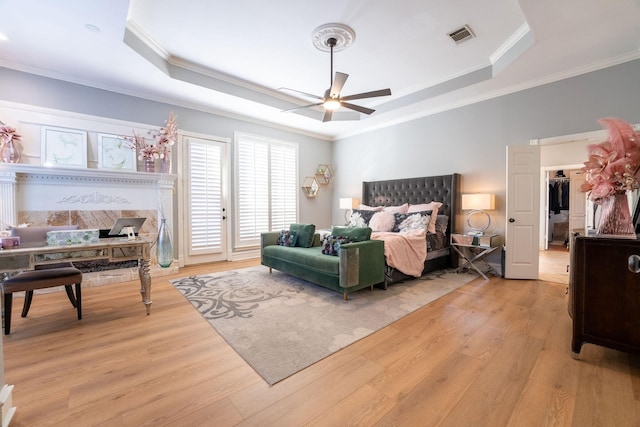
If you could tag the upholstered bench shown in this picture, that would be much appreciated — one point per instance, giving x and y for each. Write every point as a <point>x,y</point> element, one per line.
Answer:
<point>28,281</point>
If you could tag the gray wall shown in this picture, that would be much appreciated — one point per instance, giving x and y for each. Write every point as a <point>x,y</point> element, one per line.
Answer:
<point>19,87</point>
<point>472,140</point>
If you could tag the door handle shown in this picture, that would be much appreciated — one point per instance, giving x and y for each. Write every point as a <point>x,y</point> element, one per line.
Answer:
<point>634,264</point>
<point>512,220</point>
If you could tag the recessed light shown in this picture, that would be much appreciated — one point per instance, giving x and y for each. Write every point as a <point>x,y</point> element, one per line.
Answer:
<point>92,28</point>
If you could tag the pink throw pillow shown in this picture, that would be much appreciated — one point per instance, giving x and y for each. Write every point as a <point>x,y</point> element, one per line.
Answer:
<point>382,221</point>
<point>370,208</point>
<point>397,209</point>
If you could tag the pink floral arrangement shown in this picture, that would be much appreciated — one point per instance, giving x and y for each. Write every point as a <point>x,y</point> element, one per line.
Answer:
<point>7,133</point>
<point>613,165</point>
<point>163,139</point>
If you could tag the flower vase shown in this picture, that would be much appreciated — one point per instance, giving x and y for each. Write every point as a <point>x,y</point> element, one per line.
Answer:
<point>164,247</point>
<point>165,163</point>
<point>149,164</point>
<point>615,217</point>
<point>9,152</point>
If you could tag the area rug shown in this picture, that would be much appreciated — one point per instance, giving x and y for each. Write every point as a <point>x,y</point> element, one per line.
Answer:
<point>280,324</point>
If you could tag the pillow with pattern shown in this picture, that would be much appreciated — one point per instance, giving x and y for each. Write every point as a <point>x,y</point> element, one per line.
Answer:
<point>360,218</point>
<point>287,238</point>
<point>331,244</point>
<point>412,221</point>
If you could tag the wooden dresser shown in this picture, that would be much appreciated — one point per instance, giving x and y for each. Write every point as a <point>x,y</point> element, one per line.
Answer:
<point>604,293</point>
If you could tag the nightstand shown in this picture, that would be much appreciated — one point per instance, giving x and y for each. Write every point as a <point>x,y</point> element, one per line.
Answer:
<point>475,248</point>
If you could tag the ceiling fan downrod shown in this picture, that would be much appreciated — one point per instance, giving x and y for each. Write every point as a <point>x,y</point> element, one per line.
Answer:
<point>331,42</point>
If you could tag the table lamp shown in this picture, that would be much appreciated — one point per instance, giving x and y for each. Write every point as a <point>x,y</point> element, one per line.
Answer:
<point>478,204</point>
<point>348,203</point>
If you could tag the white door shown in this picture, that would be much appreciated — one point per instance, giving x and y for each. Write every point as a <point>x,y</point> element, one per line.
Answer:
<point>577,202</point>
<point>523,209</point>
<point>205,214</point>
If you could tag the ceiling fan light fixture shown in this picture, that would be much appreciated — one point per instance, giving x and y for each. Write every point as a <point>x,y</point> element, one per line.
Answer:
<point>331,104</point>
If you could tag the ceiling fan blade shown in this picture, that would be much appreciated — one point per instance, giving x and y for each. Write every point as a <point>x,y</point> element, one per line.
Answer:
<point>359,108</point>
<point>301,107</point>
<point>338,83</point>
<point>302,93</point>
<point>327,115</point>
<point>372,94</point>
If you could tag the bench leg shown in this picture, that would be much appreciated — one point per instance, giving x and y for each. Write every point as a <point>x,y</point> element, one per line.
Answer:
<point>79,300</point>
<point>28,297</point>
<point>70,295</point>
<point>8,300</point>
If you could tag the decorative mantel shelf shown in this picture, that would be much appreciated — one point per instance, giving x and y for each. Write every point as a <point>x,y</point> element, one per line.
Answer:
<point>35,191</point>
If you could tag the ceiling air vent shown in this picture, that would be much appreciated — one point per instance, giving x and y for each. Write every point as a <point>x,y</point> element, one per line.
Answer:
<point>461,34</point>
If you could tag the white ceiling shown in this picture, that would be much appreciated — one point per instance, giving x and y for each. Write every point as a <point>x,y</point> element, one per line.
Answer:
<point>230,57</point>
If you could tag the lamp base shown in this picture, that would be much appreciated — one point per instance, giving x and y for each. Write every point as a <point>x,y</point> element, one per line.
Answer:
<point>477,228</point>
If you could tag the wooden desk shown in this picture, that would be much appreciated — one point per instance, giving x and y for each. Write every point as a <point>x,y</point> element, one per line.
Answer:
<point>27,257</point>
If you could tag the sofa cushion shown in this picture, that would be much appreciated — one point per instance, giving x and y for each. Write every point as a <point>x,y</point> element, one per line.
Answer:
<point>305,234</point>
<point>287,238</point>
<point>306,258</point>
<point>359,234</point>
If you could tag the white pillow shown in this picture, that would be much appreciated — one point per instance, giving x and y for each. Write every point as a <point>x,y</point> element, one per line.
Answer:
<point>382,221</point>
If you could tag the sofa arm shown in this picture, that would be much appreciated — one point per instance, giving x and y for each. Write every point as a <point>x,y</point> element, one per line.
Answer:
<point>269,238</point>
<point>362,263</point>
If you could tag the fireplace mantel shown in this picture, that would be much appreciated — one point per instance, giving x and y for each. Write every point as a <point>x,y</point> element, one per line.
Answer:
<point>25,187</point>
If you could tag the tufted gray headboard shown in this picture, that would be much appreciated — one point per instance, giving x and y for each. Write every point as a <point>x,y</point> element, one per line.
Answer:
<point>393,192</point>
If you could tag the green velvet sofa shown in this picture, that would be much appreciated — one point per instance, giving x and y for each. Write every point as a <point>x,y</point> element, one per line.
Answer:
<point>358,265</point>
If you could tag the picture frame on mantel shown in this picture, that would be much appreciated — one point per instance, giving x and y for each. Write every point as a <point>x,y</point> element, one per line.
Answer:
<point>63,147</point>
<point>115,152</point>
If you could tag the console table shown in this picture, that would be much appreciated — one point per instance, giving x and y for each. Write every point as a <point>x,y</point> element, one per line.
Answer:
<point>113,250</point>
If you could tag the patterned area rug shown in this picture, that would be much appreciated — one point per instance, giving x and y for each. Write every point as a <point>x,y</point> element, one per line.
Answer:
<point>280,324</point>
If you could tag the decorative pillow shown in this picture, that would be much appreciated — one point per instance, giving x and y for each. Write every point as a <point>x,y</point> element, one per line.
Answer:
<point>304,234</point>
<point>369,208</point>
<point>412,221</point>
<point>382,221</point>
<point>331,244</point>
<point>360,218</point>
<point>358,234</point>
<point>432,206</point>
<point>397,209</point>
<point>287,238</point>
<point>442,222</point>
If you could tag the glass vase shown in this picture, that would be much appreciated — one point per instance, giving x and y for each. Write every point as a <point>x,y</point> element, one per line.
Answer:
<point>165,163</point>
<point>164,247</point>
<point>615,216</point>
<point>149,164</point>
<point>9,153</point>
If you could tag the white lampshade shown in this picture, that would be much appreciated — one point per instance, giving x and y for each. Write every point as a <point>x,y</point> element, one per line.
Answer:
<point>478,201</point>
<point>349,203</point>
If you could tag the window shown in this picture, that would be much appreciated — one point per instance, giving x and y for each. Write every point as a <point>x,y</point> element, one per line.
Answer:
<point>266,185</point>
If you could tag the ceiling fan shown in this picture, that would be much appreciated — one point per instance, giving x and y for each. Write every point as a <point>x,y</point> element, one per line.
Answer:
<point>332,100</point>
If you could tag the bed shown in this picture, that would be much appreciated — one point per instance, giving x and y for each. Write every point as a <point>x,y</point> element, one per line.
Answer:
<point>416,191</point>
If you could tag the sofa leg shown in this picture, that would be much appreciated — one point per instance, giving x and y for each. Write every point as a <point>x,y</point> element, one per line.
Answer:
<point>270,270</point>
<point>345,296</point>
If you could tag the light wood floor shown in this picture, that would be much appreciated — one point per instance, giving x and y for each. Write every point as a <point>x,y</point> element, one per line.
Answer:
<point>492,353</point>
<point>554,265</point>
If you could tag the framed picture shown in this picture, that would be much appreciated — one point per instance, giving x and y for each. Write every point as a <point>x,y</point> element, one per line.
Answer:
<point>114,152</point>
<point>63,147</point>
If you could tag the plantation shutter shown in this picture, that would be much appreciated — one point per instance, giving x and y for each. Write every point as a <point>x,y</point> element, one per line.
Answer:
<point>205,200</point>
<point>266,182</point>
